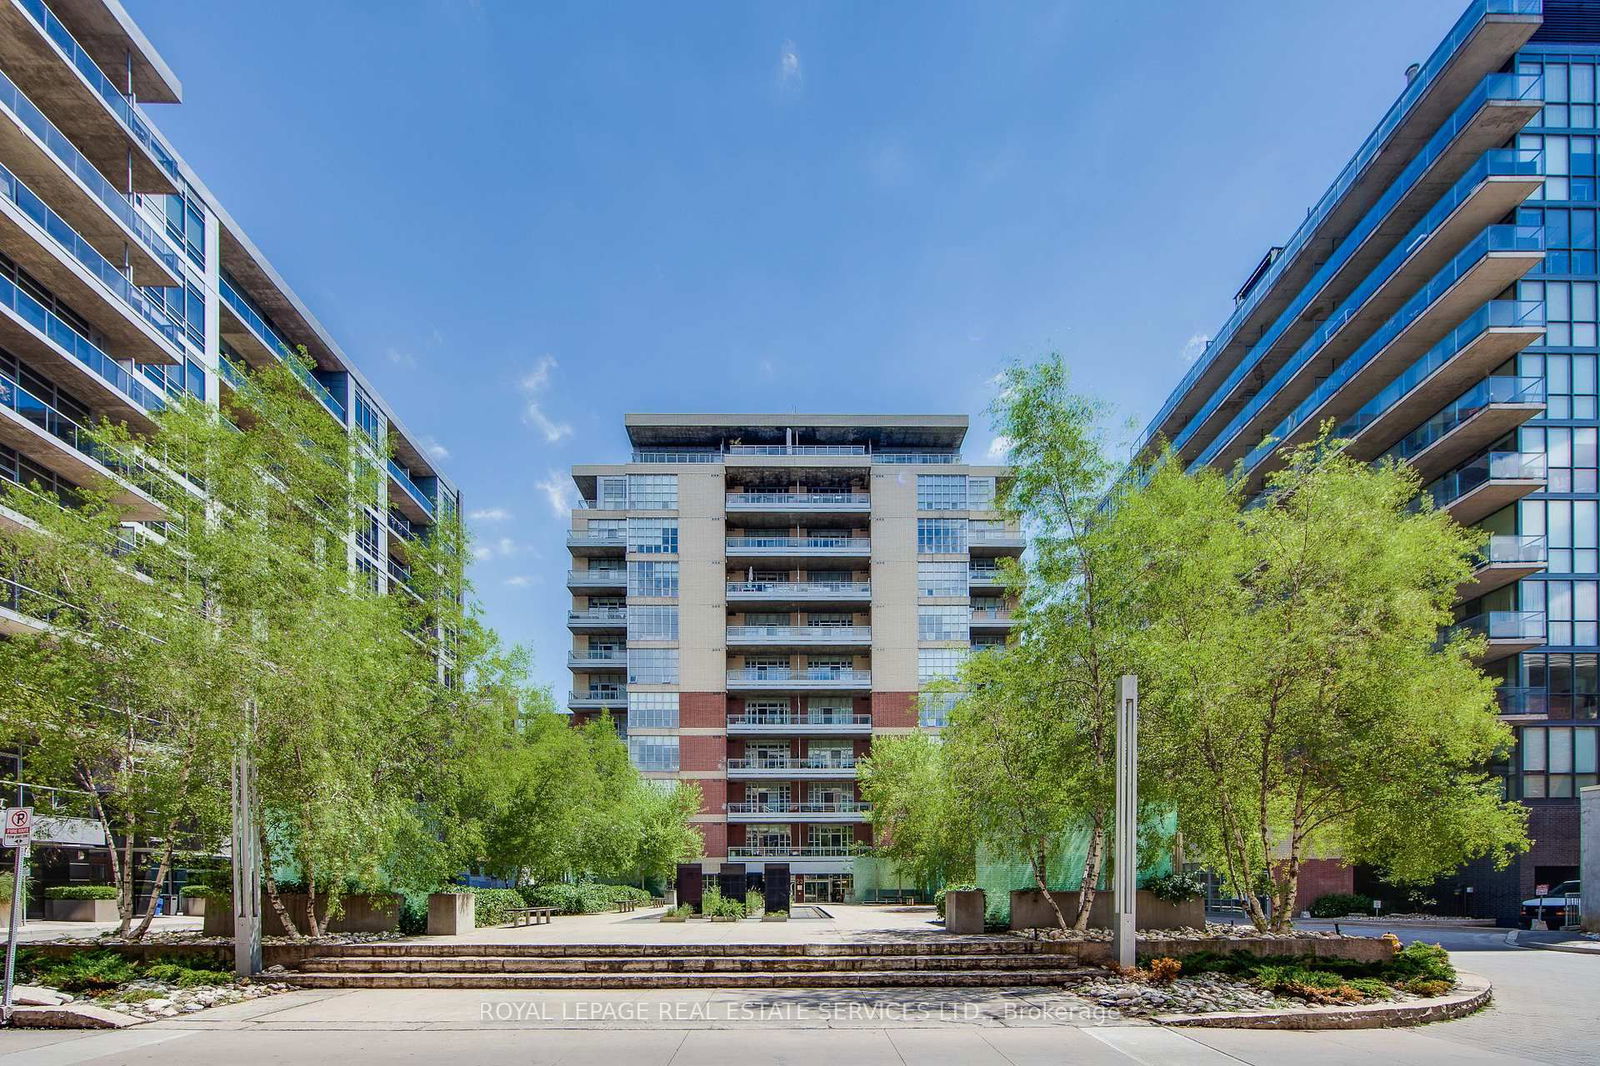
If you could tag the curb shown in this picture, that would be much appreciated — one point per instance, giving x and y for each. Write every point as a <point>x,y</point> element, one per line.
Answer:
<point>1563,947</point>
<point>1473,992</point>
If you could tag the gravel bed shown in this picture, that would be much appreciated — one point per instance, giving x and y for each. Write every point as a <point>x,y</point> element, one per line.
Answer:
<point>190,938</point>
<point>1212,931</point>
<point>1202,994</point>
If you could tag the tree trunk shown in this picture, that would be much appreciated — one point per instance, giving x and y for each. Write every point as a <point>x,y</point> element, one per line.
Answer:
<point>1093,860</point>
<point>1038,861</point>
<point>272,891</point>
<point>155,893</point>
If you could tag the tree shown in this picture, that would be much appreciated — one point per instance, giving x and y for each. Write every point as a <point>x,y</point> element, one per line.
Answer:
<point>1294,648</point>
<point>919,821</point>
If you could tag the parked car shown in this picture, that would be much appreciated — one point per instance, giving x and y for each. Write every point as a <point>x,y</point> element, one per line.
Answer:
<point>1551,909</point>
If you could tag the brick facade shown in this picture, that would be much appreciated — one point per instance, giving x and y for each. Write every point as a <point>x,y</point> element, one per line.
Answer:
<point>894,710</point>
<point>702,710</point>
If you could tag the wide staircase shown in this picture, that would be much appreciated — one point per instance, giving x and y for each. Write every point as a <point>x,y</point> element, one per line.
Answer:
<point>932,963</point>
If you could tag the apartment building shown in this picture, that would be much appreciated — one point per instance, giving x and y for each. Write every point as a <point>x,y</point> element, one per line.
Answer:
<point>124,283</point>
<point>756,597</point>
<point>1438,305</point>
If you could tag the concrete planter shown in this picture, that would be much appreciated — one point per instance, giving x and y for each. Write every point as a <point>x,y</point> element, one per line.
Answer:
<point>80,910</point>
<point>674,917</point>
<point>964,910</point>
<point>1029,910</point>
<point>723,918</point>
<point>193,906</point>
<point>358,914</point>
<point>774,917</point>
<point>451,913</point>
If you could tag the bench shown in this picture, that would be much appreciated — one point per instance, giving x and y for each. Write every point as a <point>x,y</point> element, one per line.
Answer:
<point>624,905</point>
<point>531,915</point>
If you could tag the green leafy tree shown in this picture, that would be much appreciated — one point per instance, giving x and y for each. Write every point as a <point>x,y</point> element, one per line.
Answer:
<point>920,823</point>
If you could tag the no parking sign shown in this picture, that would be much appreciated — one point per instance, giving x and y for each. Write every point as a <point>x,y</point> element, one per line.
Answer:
<point>18,824</point>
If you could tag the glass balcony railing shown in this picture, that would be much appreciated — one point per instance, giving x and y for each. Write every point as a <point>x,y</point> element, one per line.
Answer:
<point>607,695</point>
<point>806,718</point>
<point>801,500</point>
<point>1498,87</point>
<point>580,659</point>
<point>661,455</point>
<point>402,477</point>
<point>1493,239</point>
<point>67,154</point>
<point>597,576</point>
<point>814,762</point>
<point>599,615</point>
<point>802,634</point>
<point>579,538</point>
<point>89,258</point>
<point>778,807</point>
<point>1492,466</point>
<point>77,345</point>
<point>797,449</point>
<point>742,851</point>
<point>1489,391</point>
<point>230,373</point>
<point>800,588</point>
<point>274,343</point>
<point>16,398</point>
<point>91,72</point>
<point>1507,548</point>
<point>1501,625</point>
<point>825,544</point>
<point>810,673</point>
<point>933,458</point>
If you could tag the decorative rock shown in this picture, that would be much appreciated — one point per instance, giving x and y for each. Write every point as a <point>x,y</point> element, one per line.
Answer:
<point>33,996</point>
<point>71,1016</point>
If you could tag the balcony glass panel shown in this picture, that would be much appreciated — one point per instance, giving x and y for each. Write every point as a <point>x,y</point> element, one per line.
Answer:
<point>1503,625</point>
<point>798,499</point>
<point>1511,548</point>
<point>1488,391</point>
<point>786,588</point>
<point>77,345</point>
<point>62,428</point>
<point>274,343</point>
<point>1492,466</point>
<point>402,477</point>
<point>656,455</point>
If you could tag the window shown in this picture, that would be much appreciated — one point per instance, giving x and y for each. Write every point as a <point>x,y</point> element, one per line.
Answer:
<point>653,753</point>
<point>1556,761</point>
<point>1570,456</point>
<point>653,710</point>
<point>941,536</point>
<point>367,533</point>
<point>368,419</point>
<point>933,709</point>
<point>653,623</point>
<point>980,493</point>
<point>653,492</point>
<point>652,666</point>
<point>652,579</point>
<point>941,579</point>
<point>944,623</point>
<point>1562,685</point>
<point>1569,383</point>
<point>653,536</point>
<point>831,837</point>
<point>1571,610</point>
<point>938,664</point>
<point>830,620</point>
<point>941,492</point>
<point>774,711</point>
<point>829,709</point>
<point>1569,528</point>
<point>613,493</point>
<point>766,618</point>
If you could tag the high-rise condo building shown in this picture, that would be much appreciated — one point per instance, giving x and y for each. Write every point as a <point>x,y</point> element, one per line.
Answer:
<point>124,283</point>
<point>1438,305</point>
<point>755,597</point>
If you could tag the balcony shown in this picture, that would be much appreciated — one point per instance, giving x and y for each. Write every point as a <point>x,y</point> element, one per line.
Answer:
<point>675,458</point>
<point>1491,335</point>
<point>26,610</point>
<point>815,678</point>
<point>34,47</point>
<point>597,619</point>
<point>800,591</point>
<point>798,547</point>
<point>246,327</point>
<point>1476,419</point>
<point>1505,559</point>
<point>995,541</point>
<point>799,636</point>
<point>597,661</point>
<point>597,579</point>
<point>1352,346</point>
<point>741,851</point>
<point>1492,481</point>
<point>597,541</point>
<point>985,577</point>
<point>805,723</point>
<point>801,502</point>
<point>758,811</point>
<point>1449,97</point>
<point>1505,632</point>
<point>1540,702</point>
<point>35,429</point>
<point>810,769</point>
<point>992,618</point>
<point>409,496</point>
<point>47,160</point>
<point>598,698</point>
<point>796,449</point>
<point>917,458</point>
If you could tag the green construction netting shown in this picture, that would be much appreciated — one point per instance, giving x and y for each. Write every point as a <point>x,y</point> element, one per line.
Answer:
<point>999,878</point>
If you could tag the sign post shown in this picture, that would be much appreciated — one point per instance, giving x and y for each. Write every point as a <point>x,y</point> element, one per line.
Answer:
<point>1125,858</point>
<point>17,835</point>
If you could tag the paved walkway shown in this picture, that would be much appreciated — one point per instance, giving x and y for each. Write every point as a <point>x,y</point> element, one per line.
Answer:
<point>34,930</point>
<point>844,922</point>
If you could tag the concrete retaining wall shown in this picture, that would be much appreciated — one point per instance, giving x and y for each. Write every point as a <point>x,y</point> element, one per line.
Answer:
<point>1029,910</point>
<point>80,910</point>
<point>963,911</point>
<point>1358,949</point>
<point>358,914</point>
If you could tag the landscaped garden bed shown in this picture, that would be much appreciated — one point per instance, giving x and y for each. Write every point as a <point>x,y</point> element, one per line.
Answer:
<point>148,990</point>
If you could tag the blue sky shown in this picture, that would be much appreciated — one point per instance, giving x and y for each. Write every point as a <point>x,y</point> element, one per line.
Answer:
<point>525,219</point>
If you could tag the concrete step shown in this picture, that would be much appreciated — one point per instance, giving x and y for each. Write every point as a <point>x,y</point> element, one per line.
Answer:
<point>1006,947</point>
<point>983,978</point>
<point>458,964</point>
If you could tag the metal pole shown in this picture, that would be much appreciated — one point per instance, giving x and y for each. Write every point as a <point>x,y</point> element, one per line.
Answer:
<point>246,875</point>
<point>1125,869</point>
<point>11,933</point>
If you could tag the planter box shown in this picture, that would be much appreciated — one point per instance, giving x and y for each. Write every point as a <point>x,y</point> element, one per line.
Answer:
<point>80,910</point>
<point>451,913</point>
<point>359,914</point>
<point>774,917</point>
<point>674,917</point>
<point>963,912</point>
<point>1029,910</point>
<point>723,918</point>
<point>193,906</point>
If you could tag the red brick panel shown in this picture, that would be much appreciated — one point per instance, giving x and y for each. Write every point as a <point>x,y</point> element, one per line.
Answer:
<point>713,794</point>
<point>894,710</point>
<point>1318,877</point>
<point>702,753</point>
<point>716,838</point>
<point>702,710</point>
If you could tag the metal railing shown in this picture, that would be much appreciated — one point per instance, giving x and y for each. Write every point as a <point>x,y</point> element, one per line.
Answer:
<point>803,634</point>
<point>804,719</point>
<point>1510,548</point>
<point>599,614</point>
<point>77,345</point>
<point>832,544</point>
<point>275,343</point>
<point>597,577</point>
<point>740,851</point>
<point>402,477</point>
<point>810,673</point>
<point>791,764</point>
<point>64,429</point>
<point>799,499</point>
<point>992,614</point>
<point>1489,391</point>
<point>994,536</point>
<point>1502,625</point>
<point>801,588</point>
<point>797,449</point>
<point>612,697</point>
<point>1492,466</point>
<point>599,658</point>
<point>657,455</point>
<point>916,457</point>
<point>596,537</point>
<point>759,807</point>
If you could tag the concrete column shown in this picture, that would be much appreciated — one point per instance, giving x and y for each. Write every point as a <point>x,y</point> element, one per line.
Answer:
<point>1125,880</point>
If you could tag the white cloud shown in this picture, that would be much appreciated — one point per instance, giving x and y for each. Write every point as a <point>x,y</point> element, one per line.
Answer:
<point>482,554</point>
<point>506,547</point>
<point>1194,347</point>
<point>999,447</point>
<point>489,514</point>
<point>518,581</point>
<point>434,449</point>
<point>790,76</point>
<point>558,491</point>
<point>534,385</point>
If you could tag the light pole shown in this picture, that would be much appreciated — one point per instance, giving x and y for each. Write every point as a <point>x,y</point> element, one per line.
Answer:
<point>1125,856</point>
<point>246,860</point>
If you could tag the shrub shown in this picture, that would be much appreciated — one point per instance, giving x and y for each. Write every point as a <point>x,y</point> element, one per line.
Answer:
<point>493,906</point>
<point>184,975</point>
<point>1422,962</point>
<point>682,910</point>
<point>200,892</point>
<point>1176,887</point>
<point>1426,987</point>
<point>753,902</point>
<point>955,886</point>
<point>413,913</point>
<point>81,892</point>
<point>581,897</point>
<point>1164,971</point>
<point>1339,904</point>
<point>86,971</point>
<point>711,901</point>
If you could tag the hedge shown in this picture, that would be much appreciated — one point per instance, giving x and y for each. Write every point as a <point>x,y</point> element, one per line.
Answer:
<point>81,892</point>
<point>1339,904</point>
<point>493,906</point>
<point>581,897</point>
